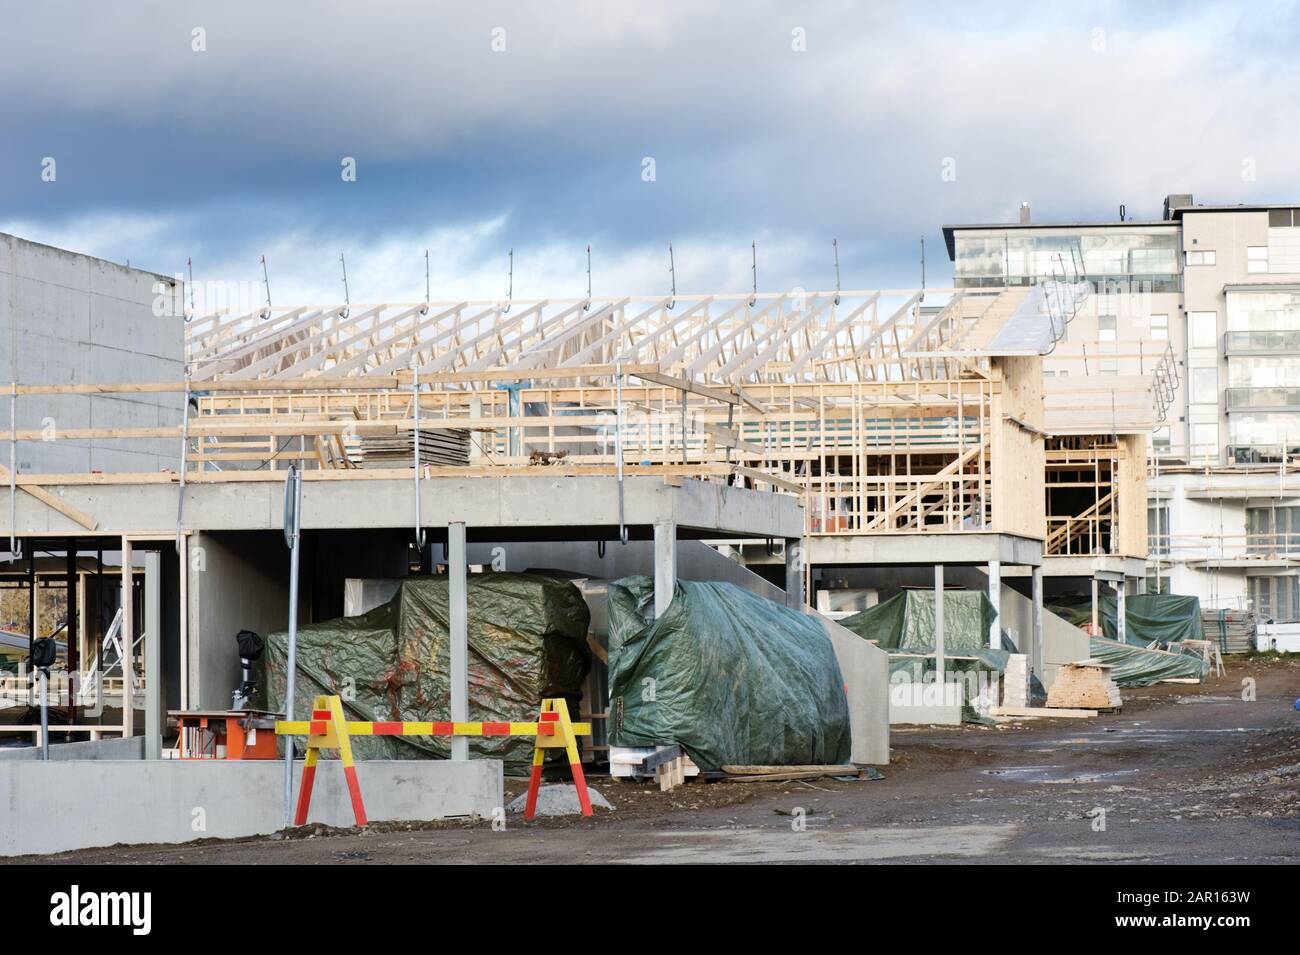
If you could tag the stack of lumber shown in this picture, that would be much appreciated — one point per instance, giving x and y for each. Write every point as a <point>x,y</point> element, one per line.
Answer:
<point>1084,685</point>
<point>776,774</point>
<point>1015,681</point>
<point>1233,630</point>
<point>440,448</point>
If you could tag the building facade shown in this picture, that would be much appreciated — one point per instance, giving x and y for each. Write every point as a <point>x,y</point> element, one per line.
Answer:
<point>1214,293</point>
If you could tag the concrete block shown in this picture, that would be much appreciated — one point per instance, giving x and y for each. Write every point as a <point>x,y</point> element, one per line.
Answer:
<point>76,804</point>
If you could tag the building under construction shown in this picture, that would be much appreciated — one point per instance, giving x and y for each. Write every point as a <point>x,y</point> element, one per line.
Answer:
<point>820,448</point>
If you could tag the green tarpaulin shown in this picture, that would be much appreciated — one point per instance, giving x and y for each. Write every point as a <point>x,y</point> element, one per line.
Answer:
<point>732,677</point>
<point>527,640</point>
<point>1135,666</point>
<point>1166,618</point>
<point>904,626</point>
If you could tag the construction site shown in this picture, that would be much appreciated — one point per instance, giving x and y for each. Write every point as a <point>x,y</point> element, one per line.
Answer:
<point>853,556</point>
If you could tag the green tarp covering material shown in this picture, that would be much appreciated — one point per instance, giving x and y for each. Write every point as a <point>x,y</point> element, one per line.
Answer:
<point>527,640</point>
<point>904,625</point>
<point>734,678</point>
<point>1167,618</point>
<point>1135,666</point>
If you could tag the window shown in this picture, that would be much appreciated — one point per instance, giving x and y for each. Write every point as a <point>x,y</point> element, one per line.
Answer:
<point>1203,328</point>
<point>1205,386</point>
<point>1201,257</point>
<point>1256,258</point>
<point>1277,598</point>
<point>1158,529</point>
<point>1160,438</point>
<point>1283,218</point>
<point>1205,440</point>
<point>1272,530</point>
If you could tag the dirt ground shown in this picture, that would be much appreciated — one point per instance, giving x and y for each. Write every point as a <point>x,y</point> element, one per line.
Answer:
<point>1181,774</point>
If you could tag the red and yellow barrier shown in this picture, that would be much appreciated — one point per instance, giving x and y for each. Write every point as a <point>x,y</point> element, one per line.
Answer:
<point>327,729</point>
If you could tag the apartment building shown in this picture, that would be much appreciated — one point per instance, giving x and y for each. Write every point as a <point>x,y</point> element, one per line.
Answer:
<point>1205,301</point>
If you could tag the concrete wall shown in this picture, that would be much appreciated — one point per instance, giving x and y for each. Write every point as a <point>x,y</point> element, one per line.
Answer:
<point>51,807</point>
<point>69,318</point>
<point>695,561</point>
<point>239,580</point>
<point>131,747</point>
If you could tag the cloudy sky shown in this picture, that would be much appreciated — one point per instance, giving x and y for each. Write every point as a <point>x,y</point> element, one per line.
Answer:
<point>477,127</point>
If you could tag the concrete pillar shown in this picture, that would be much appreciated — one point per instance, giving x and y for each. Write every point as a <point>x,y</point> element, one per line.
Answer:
<point>183,557</point>
<point>1095,587</point>
<point>995,598</point>
<point>153,692</point>
<point>1120,628</point>
<point>1036,654</point>
<point>127,636</point>
<point>665,565</point>
<point>940,645</point>
<point>458,615</point>
<point>794,595</point>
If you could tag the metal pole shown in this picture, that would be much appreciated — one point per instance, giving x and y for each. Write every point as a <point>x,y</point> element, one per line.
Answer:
<point>458,618</point>
<point>45,716</point>
<point>292,527</point>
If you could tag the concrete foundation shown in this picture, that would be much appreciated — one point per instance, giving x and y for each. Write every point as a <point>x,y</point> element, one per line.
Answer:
<point>54,807</point>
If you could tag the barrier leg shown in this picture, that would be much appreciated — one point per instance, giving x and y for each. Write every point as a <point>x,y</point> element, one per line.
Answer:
<point>345,754</point>
<point>304,788</point>
<point>534,783</point>
<point>575,759</point>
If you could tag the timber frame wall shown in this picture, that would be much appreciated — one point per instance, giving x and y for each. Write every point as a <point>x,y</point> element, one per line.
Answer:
<point>881,414</point>
<point>1095,492</point>
<point>843,398</point>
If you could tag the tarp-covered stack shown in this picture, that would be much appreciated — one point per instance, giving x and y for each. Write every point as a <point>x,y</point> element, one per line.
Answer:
<point>527,641</point>
<point>735,679</point>
<point>1137,666</point>
<point>1167,618</point>
<point>904,627</point>
<point>1155,626</point>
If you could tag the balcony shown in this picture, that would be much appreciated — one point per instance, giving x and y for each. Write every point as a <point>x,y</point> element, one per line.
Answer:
<point>1262,399</point>
<point>1261,343</point>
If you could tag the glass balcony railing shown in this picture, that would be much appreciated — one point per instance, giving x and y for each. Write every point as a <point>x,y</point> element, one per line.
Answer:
<point>1262,342</point>
<point>1262,399</point>
<point>1263,454</point>
<point>1102,284</point>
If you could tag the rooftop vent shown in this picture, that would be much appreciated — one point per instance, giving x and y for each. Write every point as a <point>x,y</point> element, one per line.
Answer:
<point>1024,213</point>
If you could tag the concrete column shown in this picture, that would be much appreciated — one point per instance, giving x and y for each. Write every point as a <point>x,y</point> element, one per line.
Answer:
<point>153,694</point>
<point>458,614</point>
<point>995,598</point>
<point>1120,628</point>
<point>127,636</point>
<point>1095,586</point>
<point>940,646</point>
<point>794,595</point>
<point>665,565</point>
<point>183,558</point>
<point>1036,654</point>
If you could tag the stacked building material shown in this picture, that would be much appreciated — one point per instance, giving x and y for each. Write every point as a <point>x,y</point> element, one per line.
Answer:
<point>1085,685</point>
<point>1234,630</point>
<point>1015,681</point>
<point>442,447</point>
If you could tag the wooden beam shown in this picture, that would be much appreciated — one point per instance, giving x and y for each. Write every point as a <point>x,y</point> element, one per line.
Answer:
<point>50,500</point>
